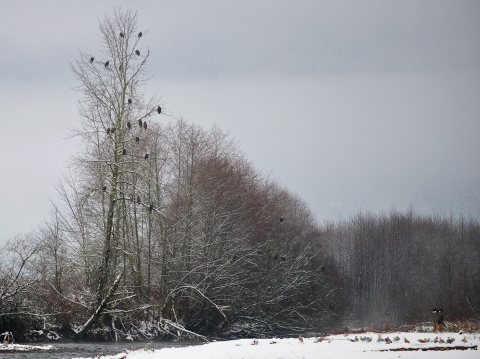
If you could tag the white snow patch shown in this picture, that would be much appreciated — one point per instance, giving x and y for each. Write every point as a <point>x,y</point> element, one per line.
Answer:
<point>332,346</point>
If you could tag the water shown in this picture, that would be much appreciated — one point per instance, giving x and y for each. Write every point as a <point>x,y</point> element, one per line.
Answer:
<point>88,350</point>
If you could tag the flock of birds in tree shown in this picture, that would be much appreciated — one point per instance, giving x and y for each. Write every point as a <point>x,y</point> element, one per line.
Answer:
<point>129,125</point>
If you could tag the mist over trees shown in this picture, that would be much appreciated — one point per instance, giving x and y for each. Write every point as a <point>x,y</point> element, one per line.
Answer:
<point>164,229</point>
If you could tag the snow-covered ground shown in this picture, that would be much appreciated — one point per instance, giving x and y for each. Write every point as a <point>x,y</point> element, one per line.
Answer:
<point>333,346</point>
<point>24,348</point>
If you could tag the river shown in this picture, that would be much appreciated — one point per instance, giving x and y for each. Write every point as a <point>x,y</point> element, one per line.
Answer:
<point>87,350</point>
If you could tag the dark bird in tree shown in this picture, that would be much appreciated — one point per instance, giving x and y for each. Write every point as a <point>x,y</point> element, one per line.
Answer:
<point>440,310</point>
<point>140,123</point>
<point>281,219</point>
<point>122,35</point>
<point>323,268</point>
<point>145,125</point>
<point>138,199</point>
<point>332,307</point>
<point>129,125</point>
<point>276,256</point>
<point>124,152</point>
<point>112,130</point>
<point>140,34</point>
<point>91,60</point>
<point>137,139</point>
<point>151,207</point>
<point>120,68</point>
<point>129,101</point>
<point>107,63</point>
<point>104,188</point>
<point>146,156</point>
<point>108,130</point>
<point>283,258</point>
<point>137,52</point>
<point>159,109</point>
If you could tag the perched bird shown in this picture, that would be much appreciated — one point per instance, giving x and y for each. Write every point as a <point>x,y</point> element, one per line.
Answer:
<point>406,340</point>
<point>423,341</point>
<point>380,339</point>
<point>122,35</point>
<point>465,340</point>
<point>300,338</point>
<point>137,139</point>
<point>112,130</point>
<point>435,340</point>
<point>91,60</point>
<point>388,340</point>
<point>124,152</point>
<point>137,52</point>
<point>450,340</point>
<point>281,219</point>
<point>356,338</point>
<point>440,310</point>
<point>120,68</point>
<point>138,199</point>
<point>145,125</point>
<point>283,258</point>
<point>332,307</point>
<point>323,268</point>
<point>396,339</point>
<point>150,208</point>
<point>159,109</point>
<point>104,188</point>
<point>441,341</point>
<point>129,101</point>
<point>107,63</point>
<point>108,130</point>
<point>129,125</point>
<point>140,123</point>
<point>276,256</point>
<point>146,156</point>
<point>140,34</point>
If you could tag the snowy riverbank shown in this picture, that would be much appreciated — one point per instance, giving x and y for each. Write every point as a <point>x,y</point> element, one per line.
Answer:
<point>365,345</point>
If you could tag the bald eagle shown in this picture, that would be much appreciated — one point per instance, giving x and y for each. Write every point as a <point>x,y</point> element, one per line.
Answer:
<point>124,152</point>
<point>107,63</point>
<point>140,123</point>
<point>104,188</point>
<point>146,156</point>
<point>129,101</point>
<point>145,125</point>
<point>112,130</point>
<point>137,139</point>
<point>129,125</point>
<point>91,59</point>
<point>159,109</point>
<point>122,35</point>
<point>140,34</point>
<point>137,52</point>
<point>151,207</point>
<point>138,199</point>
<point>108,130</point>
<point>281,219</point>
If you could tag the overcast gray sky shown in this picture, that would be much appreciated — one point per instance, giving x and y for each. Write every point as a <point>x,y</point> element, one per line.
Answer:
<point>352,105</point>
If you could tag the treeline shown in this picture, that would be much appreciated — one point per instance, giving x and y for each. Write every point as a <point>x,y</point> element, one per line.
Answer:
<point>200,241</point>
<point>396,268</point>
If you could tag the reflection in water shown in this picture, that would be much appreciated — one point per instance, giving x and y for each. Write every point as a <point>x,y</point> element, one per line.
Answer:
<point>89,350</point>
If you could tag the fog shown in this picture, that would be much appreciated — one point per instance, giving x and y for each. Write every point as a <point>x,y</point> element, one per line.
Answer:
<point>354,106</point>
